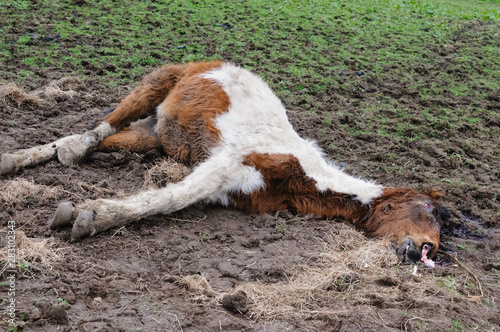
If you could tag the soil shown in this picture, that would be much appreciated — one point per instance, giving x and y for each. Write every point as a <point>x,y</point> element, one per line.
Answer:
<point>129,279</point>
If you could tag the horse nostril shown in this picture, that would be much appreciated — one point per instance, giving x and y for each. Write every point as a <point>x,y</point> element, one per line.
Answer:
<point>401,250</point>
<point>413,256</point>
<point>413,253</point>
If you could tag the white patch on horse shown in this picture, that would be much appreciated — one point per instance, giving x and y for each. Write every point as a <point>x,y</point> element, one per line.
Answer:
<point>257,122</point>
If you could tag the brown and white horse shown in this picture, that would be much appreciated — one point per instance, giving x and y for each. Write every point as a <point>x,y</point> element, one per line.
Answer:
<point>228,125</point>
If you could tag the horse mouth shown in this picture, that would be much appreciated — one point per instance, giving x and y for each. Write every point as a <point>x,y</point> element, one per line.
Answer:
<point>426,261</point>
<point>411,254</point>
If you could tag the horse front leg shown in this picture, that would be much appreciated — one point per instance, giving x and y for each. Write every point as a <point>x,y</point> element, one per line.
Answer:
<point>70,150</point>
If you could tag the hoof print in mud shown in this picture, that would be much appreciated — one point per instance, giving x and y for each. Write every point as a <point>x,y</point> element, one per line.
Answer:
<point>54,313</point>
<point>236,303</point>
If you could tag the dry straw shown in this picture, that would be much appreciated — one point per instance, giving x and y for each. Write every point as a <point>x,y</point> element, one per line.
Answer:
<point>198,284</point>
<point>20,193</point>
<point>347,258</point>
<point>36,255</point>
<point>11,94</point>
<point>167,171</point>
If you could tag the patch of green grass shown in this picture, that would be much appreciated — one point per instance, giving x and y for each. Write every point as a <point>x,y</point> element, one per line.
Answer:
<point>457,326</point>
<point>204,237</point>
<point>23,265</point>
<point>62,301</point>
<point>448,283</point>
<point>24,39</point>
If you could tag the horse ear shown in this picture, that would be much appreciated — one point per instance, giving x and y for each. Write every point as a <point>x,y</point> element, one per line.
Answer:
<point>435,192</point>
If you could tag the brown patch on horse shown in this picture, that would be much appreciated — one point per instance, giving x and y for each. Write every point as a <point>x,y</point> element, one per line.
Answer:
<point>187,105</point>
<point>186,125</point>
<point>195,98</point>
<point>150,93</point>
<point>138,137</point>
<point>288,187</point>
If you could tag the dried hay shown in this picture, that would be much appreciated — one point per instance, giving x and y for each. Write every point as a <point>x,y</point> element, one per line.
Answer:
<point>197,284</point>
<point>55,92</point>
<point>65,83</point>
<point>20,193</point>
<point>345,260</point>
<point>11,94</point>
<point>168,171</point>
<point>348,258</point>
<point>60,89</point>
<point>38,254</point>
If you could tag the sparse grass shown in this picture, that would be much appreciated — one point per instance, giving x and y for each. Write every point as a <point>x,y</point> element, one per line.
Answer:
<point>155,33</point>
<point>456,326</point>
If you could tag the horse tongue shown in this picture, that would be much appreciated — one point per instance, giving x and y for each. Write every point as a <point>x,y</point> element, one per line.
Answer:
<point>428,262</point>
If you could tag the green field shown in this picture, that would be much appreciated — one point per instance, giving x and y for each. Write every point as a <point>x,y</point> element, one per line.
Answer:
<point>283,39</point>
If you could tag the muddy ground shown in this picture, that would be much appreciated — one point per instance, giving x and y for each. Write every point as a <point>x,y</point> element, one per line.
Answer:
<point>130,279</point>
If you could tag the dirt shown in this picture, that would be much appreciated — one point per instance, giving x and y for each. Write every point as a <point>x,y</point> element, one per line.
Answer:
<point>130,279</point>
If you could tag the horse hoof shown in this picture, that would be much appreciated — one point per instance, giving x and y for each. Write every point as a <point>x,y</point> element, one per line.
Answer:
<point>63,216</point>
<point>84,225</point>
<point>67,156</point>
<point>74,149</point>
<point>7,164</point>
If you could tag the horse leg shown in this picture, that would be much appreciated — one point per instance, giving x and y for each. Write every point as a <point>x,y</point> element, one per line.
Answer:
<point>212,179</point>
<point>141,102</point>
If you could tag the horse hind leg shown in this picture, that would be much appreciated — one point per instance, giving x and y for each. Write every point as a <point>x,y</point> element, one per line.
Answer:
<point>212,179</point>
<point>141,102</point>
<point>140,136</point>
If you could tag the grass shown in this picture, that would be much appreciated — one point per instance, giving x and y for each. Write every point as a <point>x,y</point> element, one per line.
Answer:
<point>457,326</point>
<point>335,35</point>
